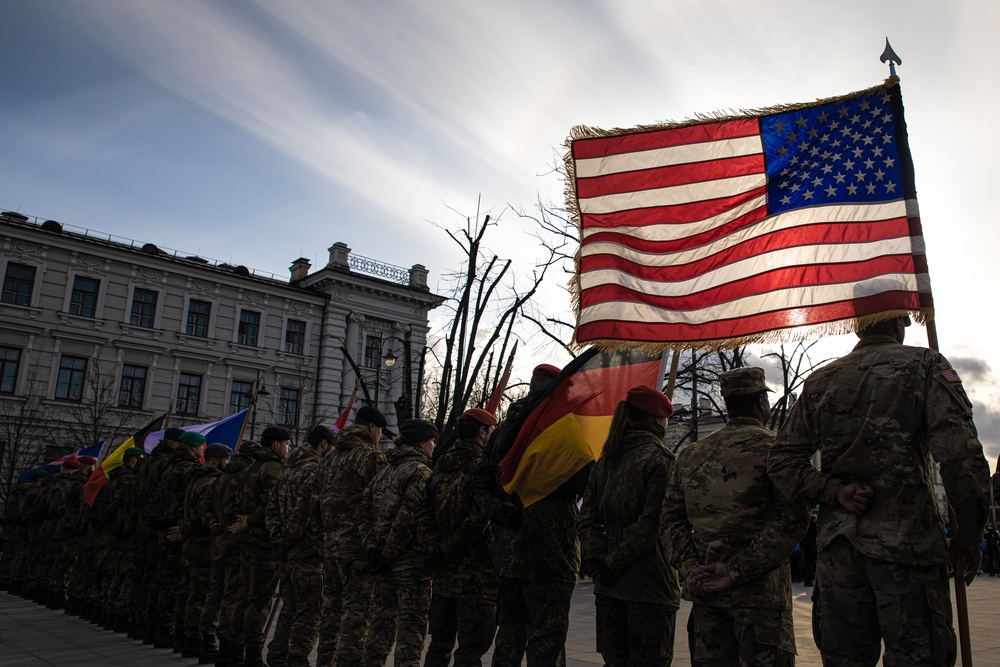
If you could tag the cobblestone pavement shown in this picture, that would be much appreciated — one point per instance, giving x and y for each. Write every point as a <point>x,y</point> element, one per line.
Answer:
<point>31,635</point>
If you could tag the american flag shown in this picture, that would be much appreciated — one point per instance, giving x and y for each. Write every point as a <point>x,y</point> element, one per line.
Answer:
<point>760,227</point>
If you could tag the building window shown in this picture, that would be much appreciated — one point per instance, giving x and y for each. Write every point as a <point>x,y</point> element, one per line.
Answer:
<point>188,394</point>
<point>239,397</point>
<point>10,359</point>
<point>72,372</point>
<point>17,284</point>
<point>248,328</point>
<point>373,351</point>
<point>83,301</point>
<point>295,336</point>
<point>133,386</point>
<point>197,321</point>
<point>288,407</point>
<point>143,308</point>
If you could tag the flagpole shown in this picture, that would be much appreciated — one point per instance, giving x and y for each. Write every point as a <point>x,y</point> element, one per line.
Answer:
<point>497,395</point>
<point>961,596</point>
<point>672,377</point>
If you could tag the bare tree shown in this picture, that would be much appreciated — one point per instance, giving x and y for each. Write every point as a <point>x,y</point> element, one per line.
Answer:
<point>98,416</point>
<point>23,422</point>
<point>795,363</point>
<point>696,392</point>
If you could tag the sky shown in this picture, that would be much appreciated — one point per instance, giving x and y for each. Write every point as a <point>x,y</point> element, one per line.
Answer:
<point>257,132</point>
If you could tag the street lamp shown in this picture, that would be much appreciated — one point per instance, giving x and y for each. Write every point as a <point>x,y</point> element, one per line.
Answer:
<point>389,359</point>
<point>259,390</point>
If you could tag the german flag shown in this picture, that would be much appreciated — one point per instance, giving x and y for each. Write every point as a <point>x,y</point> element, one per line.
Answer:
<point>565,428</point>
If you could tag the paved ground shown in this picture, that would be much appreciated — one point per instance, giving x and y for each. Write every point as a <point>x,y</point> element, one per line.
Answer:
<point>31,635</point>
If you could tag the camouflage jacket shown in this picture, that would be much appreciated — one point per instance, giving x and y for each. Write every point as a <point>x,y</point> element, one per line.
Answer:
<point>53,496</point>
<point>220,502</point>
<point>256,484</point>
<point>877,416</point>
<point>464,531</point>
<point>120,490</point>
<point>292,517</point>
<point>399,521</point>
<point>72,517</point>
<point>104,512</point>
<point>721,506</point>
<point>169,499</point>
<point>343,476</point>
<point>620,519</point>
<point>147,488</point>
<point>194,523</point>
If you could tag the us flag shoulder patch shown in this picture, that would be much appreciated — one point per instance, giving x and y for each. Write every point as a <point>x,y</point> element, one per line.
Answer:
<point>950,375</point>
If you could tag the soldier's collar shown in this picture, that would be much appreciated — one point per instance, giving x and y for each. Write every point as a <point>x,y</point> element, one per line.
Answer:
<point>876,340</point>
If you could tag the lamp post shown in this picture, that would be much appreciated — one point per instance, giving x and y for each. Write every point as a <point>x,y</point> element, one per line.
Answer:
<point>258,390</point>
<point>389,359</point>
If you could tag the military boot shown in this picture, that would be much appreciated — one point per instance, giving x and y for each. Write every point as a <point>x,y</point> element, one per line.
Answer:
<point>192,647</point>
<point>110,618</point>
<point>122,623</point>
<point>253,656</point>
<point>237,653</point>
<point>164,638</point>
<point>208,650</point>
<point>224,654</point>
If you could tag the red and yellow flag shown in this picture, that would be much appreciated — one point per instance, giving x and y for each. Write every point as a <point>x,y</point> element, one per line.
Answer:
<point>99,478</point>
<point>565,428</point>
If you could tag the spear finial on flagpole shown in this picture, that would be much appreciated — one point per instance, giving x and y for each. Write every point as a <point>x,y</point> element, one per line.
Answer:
<point>890,57</point>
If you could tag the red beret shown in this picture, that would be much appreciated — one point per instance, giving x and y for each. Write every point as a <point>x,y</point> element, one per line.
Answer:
<point>87,460</point>
<point>546,369</point>
<point>650,401</point>
<point>71,464</point>
<point>481,416</point>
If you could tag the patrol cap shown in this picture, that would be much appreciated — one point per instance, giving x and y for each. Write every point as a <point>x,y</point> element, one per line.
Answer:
<point>415,431</point>
<point>133,452</point>
<point>742,381</point>
<point>546,369</point>
<point>87,460</point>
<point>650,401</point>
<point>192,439</point>
<point>275,434</point>
<point>217,451</point>
<point>173,434</point>
<point>371,415</point>
<point>480,415</point>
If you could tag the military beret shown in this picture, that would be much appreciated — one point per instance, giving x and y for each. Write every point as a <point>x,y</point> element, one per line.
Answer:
<point>415,431</point>
<point>192,439</point>
<point>372,416</point>
<point>39,472</point>
<point>173,434</point>
<point>742,381</point>
<point>650,401</point>
<point>546,369</point>
<point>217,451</point>
<point>132,452</point>
<point>319,433</point>
<point>481,416</point>
<point>70,464</point>
<point>275,434</point>
<point>87,460</point>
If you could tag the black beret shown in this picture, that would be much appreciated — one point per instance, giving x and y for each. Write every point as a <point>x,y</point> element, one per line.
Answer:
<point>172,433</point>
<point>319,433</point>
<point>275,433</point>
<point>217,451</point>
<point>415,431</point>
<point>372,416</point>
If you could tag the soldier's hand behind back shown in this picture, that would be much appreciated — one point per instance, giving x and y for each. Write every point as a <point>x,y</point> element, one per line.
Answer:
<point>969,554</point>
<point>855,498</point>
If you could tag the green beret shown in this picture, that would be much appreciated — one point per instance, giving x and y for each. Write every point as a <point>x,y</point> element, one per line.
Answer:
<point>192,439</point>
<point>132,452</point>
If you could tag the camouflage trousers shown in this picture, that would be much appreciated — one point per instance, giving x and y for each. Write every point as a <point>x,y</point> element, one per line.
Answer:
<point>208,624</point>
<point>472,621</point>
<point>199,570</point>
<point>862,602</point>
<point>261,580</point>
<point>233,606</point>
<point>749,637</point>
<point>635,634</point>
<point>532,619</point>
<point>297,627</point>
<point>407,604</point>
<point>358,624</point>
<point>335,574</point>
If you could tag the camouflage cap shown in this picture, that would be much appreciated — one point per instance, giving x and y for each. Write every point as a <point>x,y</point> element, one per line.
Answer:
<point>742,381</point>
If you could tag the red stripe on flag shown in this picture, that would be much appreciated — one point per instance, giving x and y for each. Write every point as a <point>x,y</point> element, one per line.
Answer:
<point>644,141</point>
<point>664,177</point>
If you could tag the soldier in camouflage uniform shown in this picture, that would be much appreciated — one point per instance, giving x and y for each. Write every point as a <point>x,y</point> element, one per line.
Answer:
<point>396,530</point>
<point>537,552</point>
<point>13,535</point>
<point>636,592</point>
<point>78,560</point>
<point>117,539</point>
<point>220,505</point>
<point>259,579</point>
<point>293,522</point>
<point>877,416</point>
<point>195,536</point>
<point>347,591</point>
<point>56,529</point>
<point>730,533</point>
<point>31,511</point>
<point>463,603</point>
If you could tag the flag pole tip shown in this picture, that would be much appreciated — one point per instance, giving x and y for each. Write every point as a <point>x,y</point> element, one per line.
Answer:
<point>889,56</point>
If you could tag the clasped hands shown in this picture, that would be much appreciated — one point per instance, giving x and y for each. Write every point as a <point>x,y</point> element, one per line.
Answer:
<point>709,578</point>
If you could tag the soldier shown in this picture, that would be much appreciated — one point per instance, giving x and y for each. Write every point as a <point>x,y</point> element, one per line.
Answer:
<point>463,603</point>
<point>636,592</point>
<point>347,591</point>
<point>12,535</point>
<point>730,533</point>
<point>396,529</point>
<point>293,522</point>
<point>32,511</point>
<point>78,559</point>
<point>196,551</point>
<point>537,552</point>
<point>260,579</point>
<point>118,540</point>
<point>55,530</point>
<point>877,416</point>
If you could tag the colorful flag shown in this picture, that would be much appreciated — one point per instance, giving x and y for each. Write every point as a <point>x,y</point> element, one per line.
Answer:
<point>723,232</point>
<point>342,419</point>
<point>565,428</point>
<point>99,478</point>
<point>224,432</point>
<point>94,450</point>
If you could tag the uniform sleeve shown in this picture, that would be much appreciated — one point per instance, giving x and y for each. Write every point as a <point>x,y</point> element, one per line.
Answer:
<point>954,444</point>
<point>789,462</point>
<point>272,517</point>
<point>297,520</point>
<point>676,531</point>
<point>409,526</point>
<point>473,526</point>
<point>786,521</point>
<point>641,535</point>
<point>267,478</point>
<point>590,528</point>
